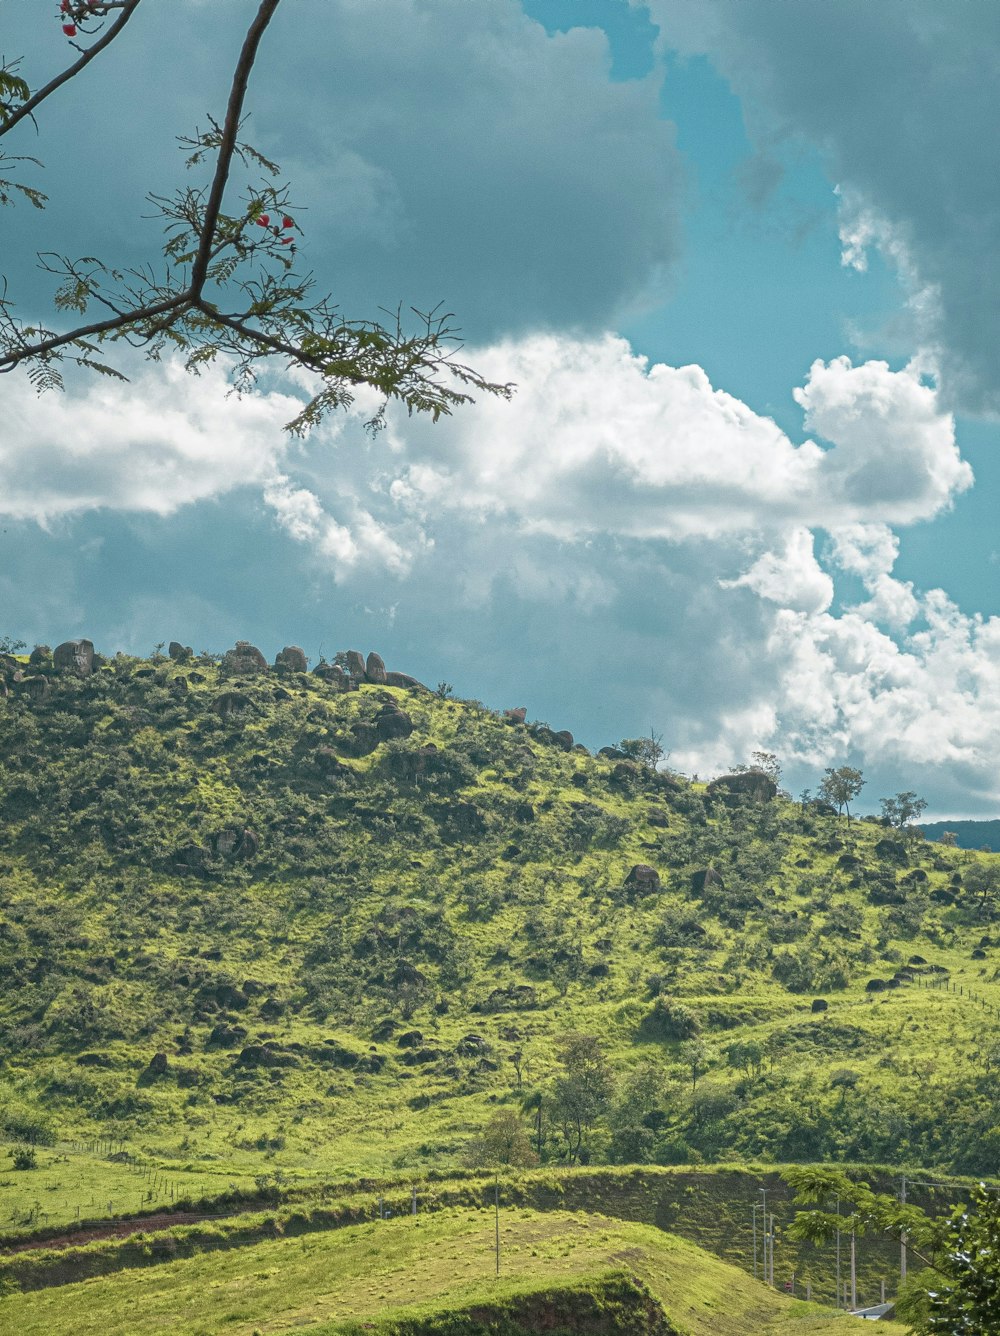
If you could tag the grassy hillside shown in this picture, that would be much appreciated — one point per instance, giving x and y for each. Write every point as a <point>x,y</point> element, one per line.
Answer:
<point>403,1273</point>
<point>261,930</point>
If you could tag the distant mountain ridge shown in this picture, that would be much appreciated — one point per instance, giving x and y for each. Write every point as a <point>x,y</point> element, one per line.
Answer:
<point>969,834</point>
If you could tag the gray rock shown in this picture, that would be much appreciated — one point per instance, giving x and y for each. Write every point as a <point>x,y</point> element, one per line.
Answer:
<point>355,664</point>
<point>244,660</point>
<point>393,723</point>
<point>178,652</point>
<point>403,680</point>
<point>753,784</point>
<point>643,879</point>
<point>375,669</point>
<point>516,716</point>
<point>74,656</point>
<point>292,660</point>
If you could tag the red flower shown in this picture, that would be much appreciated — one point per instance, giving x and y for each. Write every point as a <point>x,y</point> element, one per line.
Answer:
<point>263,220</point>
<point>69,29</point>
<point>287,222</point>
<point>287,241</point>
<point>65,6</point>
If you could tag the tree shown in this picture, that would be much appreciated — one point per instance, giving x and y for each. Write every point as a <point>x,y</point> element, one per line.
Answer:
<point>957,1291</point>
<point>647,751</point>
<point>902,810</point>
<point>840,787</point>
<point>229,288</point>
<point>983,881</point>
<point>503,1142</point>
<point>582,1090</point>
<point>765,762</point>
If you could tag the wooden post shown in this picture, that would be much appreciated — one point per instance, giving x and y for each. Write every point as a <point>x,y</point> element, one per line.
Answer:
<point>902,1241</point>
<point>496,1218</point>
<point>854,1275</point>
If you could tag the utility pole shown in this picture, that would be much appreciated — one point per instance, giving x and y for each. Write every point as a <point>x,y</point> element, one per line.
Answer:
<point>854,1275</point>
<point>902,1240</point>
<point>763,1193</point>
<point>771,1276</point>
<point>754,1208</point>
<point>838,1258</point>
<point>496,1218</point>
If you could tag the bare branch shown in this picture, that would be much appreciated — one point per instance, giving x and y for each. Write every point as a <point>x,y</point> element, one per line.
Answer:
<point>128,8</point>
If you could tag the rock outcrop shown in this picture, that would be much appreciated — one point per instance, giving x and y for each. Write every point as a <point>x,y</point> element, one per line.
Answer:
<point>375,669</point>
<point>244,660</point>
<point>291,660</point>
<point>753,784</point>
<point>74,656</point>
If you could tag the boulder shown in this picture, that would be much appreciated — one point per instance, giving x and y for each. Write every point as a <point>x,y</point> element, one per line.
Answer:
<point>752,784</point>
<point>178,652</point>
<point>235,843</point>
<point>229,704</point>
<point>892,851</point>
<point>361,741</point>
<point>35,688</point>
<point>333,674</point>
<point>403,680</point>
<point>157,1064</point>
<point>411,1039</point>
<point>393,723</point>
<point>563,739</point>
<point>643,879</point>
<point>706,879</point>
<point>74,656</point>
<point>613,754</point>
<point>244,660</point>
<point>516,716</point>
<point>820,1004</point>
<point>40,657</point>
<point>355,664</point>
<point>375,669</point>
<point>411,765</point>
<point>291,660</point>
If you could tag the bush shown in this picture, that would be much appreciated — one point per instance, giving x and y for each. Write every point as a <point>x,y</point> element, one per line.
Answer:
<point>25,1158</point>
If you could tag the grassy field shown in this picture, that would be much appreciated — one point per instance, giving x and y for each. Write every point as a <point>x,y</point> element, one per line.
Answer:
<point>383,1268</point>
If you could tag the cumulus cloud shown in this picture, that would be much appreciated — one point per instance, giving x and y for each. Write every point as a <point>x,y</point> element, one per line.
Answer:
<point>164,441</point>
<point>599,441</point>
<point>899,99</point>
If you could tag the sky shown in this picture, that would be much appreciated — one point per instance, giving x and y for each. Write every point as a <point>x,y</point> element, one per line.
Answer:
<point>742,261</point>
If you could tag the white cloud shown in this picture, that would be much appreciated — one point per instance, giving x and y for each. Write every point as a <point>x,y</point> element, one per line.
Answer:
<point>792,578</point>
<point>164,441</point>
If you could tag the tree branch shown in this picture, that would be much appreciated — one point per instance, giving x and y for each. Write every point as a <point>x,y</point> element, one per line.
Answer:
<point>230,129</point>
<point>128,9</point>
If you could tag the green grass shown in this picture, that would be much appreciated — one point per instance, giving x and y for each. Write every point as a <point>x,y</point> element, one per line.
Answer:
<point>428,1263</point>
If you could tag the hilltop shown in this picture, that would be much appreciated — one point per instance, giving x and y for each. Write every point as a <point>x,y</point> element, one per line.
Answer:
<point>266,925</point>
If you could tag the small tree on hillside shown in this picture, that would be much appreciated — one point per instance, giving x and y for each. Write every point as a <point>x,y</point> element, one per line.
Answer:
<point>582,1091</point>
<point>503,1142</point>
<point>840,787</point>
<point>647,751</point>
<point>903,810</point>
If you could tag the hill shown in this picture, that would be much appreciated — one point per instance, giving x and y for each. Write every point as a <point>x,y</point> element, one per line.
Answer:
<point>559,1272</point>
<point>968,834</point>
<point>267,927</point>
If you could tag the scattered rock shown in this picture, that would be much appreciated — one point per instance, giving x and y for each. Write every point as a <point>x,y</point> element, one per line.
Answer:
<point>235,843</point>
<point>355,664</point>
<point>227,1036</point>
<point>291,660</point>
<point>642,880</point>
<point>705,879</point>
<point>613,754</point>
<point>74,656</point>
<point>411,1039</point>
<point>375,669</point>
<point>471,1046</point>
<point>393,723</point>
<point>875,986</point>
<point>178,652</point>
<point>229,704</point>
<point>403,680</point>
<point>244,660</point>
<point>752,784</point>
<point>892,851</point>
<point>40,657</point>
<point>158,1064</point>
<point>516,716</point>
<point>331,673</point>
<point>409,766</point>
<point>820,1004</point>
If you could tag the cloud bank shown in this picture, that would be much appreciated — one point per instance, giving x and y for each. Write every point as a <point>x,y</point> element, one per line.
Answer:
<point>899,100</point>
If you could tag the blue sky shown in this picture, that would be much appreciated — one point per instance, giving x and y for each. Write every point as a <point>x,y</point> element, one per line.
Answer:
<point>741,259</point>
